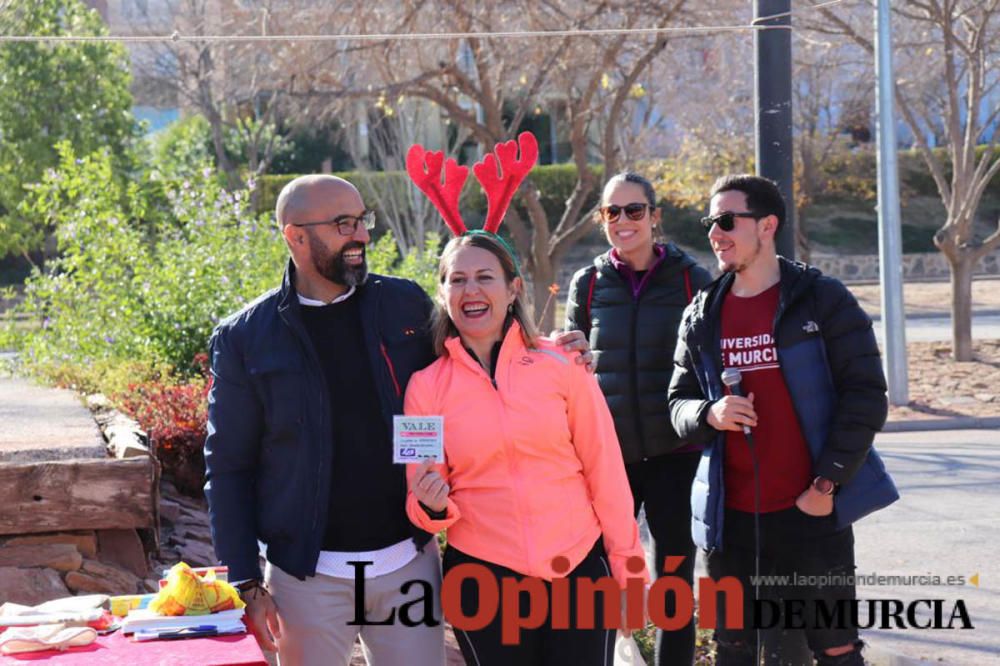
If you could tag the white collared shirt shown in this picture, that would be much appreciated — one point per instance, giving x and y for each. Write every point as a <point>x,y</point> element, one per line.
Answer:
<point>313,303</point>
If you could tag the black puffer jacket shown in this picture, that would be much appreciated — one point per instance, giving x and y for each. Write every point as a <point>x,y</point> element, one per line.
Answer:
<point>831,365</point>
<point>633,340</point>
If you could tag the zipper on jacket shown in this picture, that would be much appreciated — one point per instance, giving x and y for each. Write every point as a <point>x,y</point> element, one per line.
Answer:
<point>388,407</point>
<point>779,312</point>
<point>512,464</point>
<point>392,369</point>
<point>326,423</point>
<point>778,315</point>
<point>509,452</point>
<point>633,357</point>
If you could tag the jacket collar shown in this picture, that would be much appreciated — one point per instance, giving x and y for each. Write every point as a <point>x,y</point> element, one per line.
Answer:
<point>796,278</point>
<point>512,344</point>
<point>659,252</point>
<point>288,299</point>
<point>629,275</point>
<point>669,260</point>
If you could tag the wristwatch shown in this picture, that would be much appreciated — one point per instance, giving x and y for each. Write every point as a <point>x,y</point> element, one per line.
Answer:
<point>824,486</point>
<point>247,585</point>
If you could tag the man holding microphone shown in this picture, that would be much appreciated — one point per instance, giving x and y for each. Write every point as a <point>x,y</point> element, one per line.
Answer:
<point>788,462</point>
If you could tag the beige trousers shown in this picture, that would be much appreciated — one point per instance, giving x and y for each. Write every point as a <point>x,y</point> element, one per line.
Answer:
<point>315,616</point>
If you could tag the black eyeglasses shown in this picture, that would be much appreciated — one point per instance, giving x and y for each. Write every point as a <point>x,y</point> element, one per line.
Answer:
<point>347,225</point>
<point>727,220</point>
<point>633,211</point>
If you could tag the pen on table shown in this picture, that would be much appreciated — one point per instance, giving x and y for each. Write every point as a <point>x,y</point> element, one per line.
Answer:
<point>201,631</point>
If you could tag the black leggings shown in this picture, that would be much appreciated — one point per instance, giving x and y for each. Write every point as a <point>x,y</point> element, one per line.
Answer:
<point>663,485</point>
<point>543,646</point>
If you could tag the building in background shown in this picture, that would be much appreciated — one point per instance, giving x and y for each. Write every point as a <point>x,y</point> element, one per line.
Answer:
<point>155,104</point>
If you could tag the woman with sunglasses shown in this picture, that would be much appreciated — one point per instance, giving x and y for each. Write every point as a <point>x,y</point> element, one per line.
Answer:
<point>629,303</point>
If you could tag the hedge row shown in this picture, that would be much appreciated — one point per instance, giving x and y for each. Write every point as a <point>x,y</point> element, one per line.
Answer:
<point>556,182</point>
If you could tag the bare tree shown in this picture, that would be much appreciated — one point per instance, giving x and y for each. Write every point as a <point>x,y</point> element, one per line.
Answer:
<point>710,108</point>
<point>377,144</point>
<point>946,87</point>
<point>489,87</point>
<point>831,86</point>
<point>248,90</point>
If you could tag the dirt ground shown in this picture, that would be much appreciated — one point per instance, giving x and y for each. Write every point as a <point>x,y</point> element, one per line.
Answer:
<point>930,298</point>
<point>939,386</point>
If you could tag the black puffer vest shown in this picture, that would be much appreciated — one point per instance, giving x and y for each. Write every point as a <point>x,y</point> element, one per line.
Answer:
<point>633,339</point>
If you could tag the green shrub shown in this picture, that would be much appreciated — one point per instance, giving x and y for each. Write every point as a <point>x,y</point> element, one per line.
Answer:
<point>917,239</point>
<point>860,235</point>
<point>183,148</point>
<point>52,92</point>
<point>916,178</point>
<point>146,270</point>
<point>308,147</point>
<point>421,267</point>
<point>129,285</point>
<point>683,226</point>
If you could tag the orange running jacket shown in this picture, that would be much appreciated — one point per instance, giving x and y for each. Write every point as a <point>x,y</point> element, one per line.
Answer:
<point>533,462</point>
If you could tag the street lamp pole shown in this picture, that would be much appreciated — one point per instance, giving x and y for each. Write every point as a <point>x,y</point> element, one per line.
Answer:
<point>773,107</point>
<point>773,152</point>
<point>890,243</point>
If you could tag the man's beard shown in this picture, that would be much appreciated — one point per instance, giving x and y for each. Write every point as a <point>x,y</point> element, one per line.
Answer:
<point>739,268</point>
<point>332,266</point>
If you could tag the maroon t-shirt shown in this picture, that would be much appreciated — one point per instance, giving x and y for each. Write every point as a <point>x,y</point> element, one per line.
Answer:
<point>782,453</point>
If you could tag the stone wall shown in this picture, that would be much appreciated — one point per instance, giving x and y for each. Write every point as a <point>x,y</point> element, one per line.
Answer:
<point>925,265</point>
<point>845,267</point>
<point>39,567</point>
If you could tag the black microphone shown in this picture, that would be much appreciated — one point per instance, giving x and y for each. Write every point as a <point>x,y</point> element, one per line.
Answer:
<point>732,377</point>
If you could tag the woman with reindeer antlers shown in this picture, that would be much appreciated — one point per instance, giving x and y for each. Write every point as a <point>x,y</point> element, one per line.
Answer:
<point>533,484</point>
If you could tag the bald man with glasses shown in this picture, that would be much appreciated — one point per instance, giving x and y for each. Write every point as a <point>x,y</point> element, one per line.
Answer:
<point>299,452</point>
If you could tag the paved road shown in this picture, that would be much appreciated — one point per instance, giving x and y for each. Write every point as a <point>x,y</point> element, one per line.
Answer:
<point>934,329</point>
<point>41,423</point>
<point>947,523</point>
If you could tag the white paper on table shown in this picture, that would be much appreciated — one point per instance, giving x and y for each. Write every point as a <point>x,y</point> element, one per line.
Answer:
<point>144,619</point>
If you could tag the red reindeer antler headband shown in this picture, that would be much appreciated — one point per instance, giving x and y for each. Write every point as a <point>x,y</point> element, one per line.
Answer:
<point>500,177</point>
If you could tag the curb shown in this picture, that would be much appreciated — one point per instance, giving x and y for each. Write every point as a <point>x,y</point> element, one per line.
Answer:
<point>956,423</point>
<point>940,315</point>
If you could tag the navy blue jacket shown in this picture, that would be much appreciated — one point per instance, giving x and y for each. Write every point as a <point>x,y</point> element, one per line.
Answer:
<point>268,451</point>
<point>831,365</point>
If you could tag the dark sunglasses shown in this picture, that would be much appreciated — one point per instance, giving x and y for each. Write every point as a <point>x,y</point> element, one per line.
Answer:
<point>727,220</point>
<point>347,225</point>
<point>633,211</point>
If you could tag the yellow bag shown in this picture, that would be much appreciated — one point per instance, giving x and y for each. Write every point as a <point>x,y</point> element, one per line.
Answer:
<point>187,593</point>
